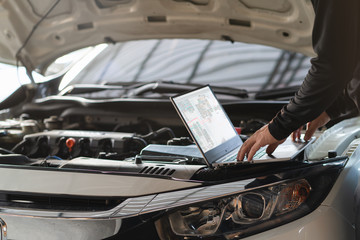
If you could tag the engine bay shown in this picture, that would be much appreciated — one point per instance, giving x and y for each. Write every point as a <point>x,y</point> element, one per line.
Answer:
<point>101,140</point>
<point>146,139</point>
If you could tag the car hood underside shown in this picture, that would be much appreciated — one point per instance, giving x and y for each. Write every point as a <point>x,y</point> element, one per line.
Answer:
<point>38,31</point>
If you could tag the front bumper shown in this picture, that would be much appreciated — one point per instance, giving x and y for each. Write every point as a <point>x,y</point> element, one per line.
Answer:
<point>27,223</point>
<point>324,223</point>
<point>20,227</point>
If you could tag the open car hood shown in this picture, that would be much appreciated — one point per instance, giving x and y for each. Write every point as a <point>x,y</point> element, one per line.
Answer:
<point>39,31</point>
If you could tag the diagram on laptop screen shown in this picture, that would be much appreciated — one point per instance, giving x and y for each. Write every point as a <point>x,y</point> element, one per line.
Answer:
<point>205,118</point>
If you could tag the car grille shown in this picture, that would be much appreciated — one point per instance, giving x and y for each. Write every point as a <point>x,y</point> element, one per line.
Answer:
<point>58,203</point>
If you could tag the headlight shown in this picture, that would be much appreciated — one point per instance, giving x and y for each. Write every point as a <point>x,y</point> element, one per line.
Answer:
<point>240,211</point>
<point>262,204</point>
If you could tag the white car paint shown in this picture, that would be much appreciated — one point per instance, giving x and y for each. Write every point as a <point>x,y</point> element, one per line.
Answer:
<point>72,25</point>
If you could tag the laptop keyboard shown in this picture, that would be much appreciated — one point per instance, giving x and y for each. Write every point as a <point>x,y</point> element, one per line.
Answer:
<point>261,152</point>
<point>231,157</point>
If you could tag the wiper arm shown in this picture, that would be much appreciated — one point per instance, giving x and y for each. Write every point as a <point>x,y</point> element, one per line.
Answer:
<point>92,88</point>
<point>242,93</point>
<point>138,89</point>
<point>174,88</point>
<point>87,88</point>
<point>286,92</point>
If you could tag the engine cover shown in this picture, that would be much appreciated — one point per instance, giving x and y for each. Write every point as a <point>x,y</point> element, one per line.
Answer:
<point>84,143</point>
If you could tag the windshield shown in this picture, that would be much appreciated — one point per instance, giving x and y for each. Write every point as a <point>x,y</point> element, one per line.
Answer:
<point>14,77</point>
<point>249,66</point>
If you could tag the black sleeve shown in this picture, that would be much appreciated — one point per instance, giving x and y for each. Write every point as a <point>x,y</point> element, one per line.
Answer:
<point>335,41</point>
<point>343,105</point>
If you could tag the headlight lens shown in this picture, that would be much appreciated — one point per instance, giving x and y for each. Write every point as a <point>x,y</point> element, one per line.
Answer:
<point>196,220</point>
<point>243,210</point>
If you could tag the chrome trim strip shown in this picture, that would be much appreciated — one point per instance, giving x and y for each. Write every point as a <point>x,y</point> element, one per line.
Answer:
<point>185,197</point>
<point>141,205</point>
<point>146,204</point>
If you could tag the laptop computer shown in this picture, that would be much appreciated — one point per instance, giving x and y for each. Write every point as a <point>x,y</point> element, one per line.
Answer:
<point>214,133</point>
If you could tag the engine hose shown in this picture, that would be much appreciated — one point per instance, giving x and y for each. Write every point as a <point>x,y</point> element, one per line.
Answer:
<point>159,132</point>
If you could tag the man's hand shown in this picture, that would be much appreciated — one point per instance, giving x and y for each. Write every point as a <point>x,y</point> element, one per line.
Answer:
<point>260,138</point>
<point>311,127</point>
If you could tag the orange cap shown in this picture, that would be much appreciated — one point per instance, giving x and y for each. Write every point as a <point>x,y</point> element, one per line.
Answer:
<point>70,143</point>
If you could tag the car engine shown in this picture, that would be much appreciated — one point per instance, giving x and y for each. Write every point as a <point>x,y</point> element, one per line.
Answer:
<point>30,142</point>
<point>58,142</point>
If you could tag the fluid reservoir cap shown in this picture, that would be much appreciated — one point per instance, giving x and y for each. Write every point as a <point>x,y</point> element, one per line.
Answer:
<point>332,154</point>
<point>70,143</point>
<point>138,159</point>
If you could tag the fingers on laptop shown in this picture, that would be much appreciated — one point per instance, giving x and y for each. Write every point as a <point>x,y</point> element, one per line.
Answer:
<point>241,153</point>
<point>249,148</point>
<point>244,150</point>
<point>272,147</point>
<point>296,135</point>
<point>311,128</point>
<point>252,151</point>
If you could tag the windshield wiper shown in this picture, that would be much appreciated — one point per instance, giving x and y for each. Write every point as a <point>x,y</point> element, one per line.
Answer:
<point>139,89</point>
<point>281,93</point>
<point>175,88</point>
<point>87,88</point>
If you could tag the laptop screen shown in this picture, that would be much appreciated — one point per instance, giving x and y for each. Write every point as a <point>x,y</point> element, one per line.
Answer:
<point>205,118</point>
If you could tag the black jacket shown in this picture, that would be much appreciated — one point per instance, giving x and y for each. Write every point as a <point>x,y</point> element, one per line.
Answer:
<point>333,81</point>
